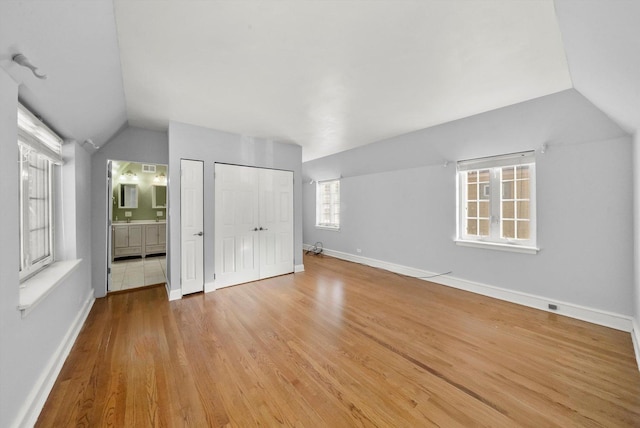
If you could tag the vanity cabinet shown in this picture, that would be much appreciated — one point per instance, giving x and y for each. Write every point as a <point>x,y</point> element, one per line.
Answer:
<point>127,240</point>
<point>139,239</point>
<point>155,238</point>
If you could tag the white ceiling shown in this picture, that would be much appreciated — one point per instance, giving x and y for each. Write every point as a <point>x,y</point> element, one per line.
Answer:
<point>328,75</point>
<point>602,40</point>
<point>75,44</point>
<point>333,75</point>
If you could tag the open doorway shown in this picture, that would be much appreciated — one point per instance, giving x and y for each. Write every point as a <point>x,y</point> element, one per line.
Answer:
<point>137,227</point>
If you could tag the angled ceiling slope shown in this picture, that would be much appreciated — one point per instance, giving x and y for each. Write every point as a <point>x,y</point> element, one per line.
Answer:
<point>75,44</point>
<point>333,75</point>
<point>602,41</point>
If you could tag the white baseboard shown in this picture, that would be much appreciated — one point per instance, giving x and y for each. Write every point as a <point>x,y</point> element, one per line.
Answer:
<point>209,287</point>
<point>595,316</point>
<point>173,294</point>
<point>34,403</point>
<point>635,337</point>
<point>298,268</point>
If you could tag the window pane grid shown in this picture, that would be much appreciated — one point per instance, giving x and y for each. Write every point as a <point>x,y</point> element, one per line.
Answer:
<point>328,204</point>
<point>477,207</point>
<point>515,202</point>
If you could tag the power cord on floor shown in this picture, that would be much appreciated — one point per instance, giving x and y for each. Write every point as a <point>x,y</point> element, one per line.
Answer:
<point>315,249</point>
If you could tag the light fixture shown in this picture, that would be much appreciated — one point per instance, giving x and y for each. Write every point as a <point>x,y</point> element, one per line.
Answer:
<point>22,60</point>
<point>161,178</point>
<point>128,176</point>
<point>90,141</point>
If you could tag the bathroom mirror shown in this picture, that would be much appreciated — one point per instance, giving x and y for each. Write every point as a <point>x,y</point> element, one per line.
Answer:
<point>128,196</point>
<point>158,196</point>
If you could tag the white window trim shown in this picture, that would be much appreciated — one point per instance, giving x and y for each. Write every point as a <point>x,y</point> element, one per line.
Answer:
<point>324,226</point>
<point>39,286</point>
<point>518,246</point>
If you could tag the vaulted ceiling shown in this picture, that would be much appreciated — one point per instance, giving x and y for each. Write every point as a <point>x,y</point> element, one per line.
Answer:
<point>328,75</point>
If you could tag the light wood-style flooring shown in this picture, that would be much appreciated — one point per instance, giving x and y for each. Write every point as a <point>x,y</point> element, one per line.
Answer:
<point>341,345</point>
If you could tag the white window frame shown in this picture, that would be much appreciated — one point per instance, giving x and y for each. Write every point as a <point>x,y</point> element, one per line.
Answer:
<point>494,191</point>
<point>334,205</point>
<point>37,143</point>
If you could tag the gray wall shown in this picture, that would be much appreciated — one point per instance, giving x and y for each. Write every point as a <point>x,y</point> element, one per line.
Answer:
<point>132,144</point>
<point>28,344</point>
<point>636,226</point>
<point>210,146</point>
<point>399,201</point>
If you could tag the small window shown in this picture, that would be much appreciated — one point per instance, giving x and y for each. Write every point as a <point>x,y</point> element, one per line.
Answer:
<point>496,200</point>
<point>39,151</point>
<point>328,204</point>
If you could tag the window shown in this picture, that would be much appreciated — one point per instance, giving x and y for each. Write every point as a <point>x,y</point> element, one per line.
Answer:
<point>496,200</point>
<point>328,204</point>
<point>39,152</point>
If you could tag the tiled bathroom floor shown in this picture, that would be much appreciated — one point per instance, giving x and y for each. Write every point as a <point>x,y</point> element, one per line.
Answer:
<point>134,273</point>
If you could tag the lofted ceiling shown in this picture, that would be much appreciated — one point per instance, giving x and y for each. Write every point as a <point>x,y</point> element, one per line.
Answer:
<point>328,75</point>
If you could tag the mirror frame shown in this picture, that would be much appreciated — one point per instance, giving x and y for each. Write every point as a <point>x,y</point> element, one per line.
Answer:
<point>123,201</point>
<point>153,196</point>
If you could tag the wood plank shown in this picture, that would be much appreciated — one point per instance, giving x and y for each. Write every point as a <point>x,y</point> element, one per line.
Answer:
<point>341,344</point>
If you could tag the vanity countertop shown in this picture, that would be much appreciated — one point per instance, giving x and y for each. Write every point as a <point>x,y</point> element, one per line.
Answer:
<point>123,222</point>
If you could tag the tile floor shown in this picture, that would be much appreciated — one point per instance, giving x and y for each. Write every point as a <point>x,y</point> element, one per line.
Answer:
<point>138,272</point>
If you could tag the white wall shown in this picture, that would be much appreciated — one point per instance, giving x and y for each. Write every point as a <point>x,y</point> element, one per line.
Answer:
<point>131,144</point>
<point>211,146</point>
<point>398,202</point>
<point>32,347</point>
<point>636,230</point>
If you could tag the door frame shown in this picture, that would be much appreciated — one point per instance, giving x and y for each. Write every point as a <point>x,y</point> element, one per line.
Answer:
<point>109,222</point>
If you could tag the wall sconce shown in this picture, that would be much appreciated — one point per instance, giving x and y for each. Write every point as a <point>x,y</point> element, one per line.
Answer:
<point>160,178</point>
<point>128,176</point>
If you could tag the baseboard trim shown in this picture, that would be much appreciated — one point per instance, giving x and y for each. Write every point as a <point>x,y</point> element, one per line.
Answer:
<point>635,337</point>
<point>209,287</point>
<point>173,294</point>
<point>298,268</point>
<point>36,399</point>
<point>595,316</point>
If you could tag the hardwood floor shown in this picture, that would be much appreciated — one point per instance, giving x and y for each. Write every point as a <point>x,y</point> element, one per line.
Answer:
<point>341,345</point>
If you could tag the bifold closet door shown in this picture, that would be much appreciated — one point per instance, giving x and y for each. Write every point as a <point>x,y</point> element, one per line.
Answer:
<point>253,224</point>
<point>276,222</point>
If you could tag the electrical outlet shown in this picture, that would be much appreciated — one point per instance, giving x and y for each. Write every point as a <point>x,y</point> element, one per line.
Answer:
<point>127,213</point>
<point>158,213</point>
<point>358,250</point>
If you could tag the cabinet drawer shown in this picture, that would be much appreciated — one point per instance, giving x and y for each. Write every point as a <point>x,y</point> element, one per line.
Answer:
<point>129,251</point>
<point>155,249</point>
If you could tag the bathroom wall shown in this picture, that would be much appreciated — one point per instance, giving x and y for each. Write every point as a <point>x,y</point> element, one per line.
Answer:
<point>145,182</point>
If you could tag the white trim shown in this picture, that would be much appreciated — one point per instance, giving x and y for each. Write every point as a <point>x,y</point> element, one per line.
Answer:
<point>635,338</point>
<point>497,246</point>
<point>210,286</point>
<point>36,288</point>
<point>173,294</point>
<point>30,410</point>
<point>592,315</point>
<point>298,268</point>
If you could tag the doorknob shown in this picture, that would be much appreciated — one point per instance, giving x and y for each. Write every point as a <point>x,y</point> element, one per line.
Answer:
<point>198,234</point>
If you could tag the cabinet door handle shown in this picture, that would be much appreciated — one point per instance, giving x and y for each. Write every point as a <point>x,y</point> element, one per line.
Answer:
<point>198,234</point>
<point>264,228</point>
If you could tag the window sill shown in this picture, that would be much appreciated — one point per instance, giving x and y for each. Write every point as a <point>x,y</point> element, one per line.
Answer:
<point>334,229</point>
<point>497,246</point>
<point>36,288</point>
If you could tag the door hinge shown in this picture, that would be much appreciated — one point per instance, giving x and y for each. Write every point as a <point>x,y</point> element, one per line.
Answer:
<point>214,276</point>
<point>108,271</point>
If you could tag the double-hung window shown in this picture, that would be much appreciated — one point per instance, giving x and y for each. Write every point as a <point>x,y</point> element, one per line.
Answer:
<point>328,204</point>
<point>39,152</point>
<point>496,202</point>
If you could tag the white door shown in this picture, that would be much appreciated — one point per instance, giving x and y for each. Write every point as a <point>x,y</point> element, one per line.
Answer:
<point>236,225</point>
<point>191,226</point>
<point>253,224</point>
<point>276,222</point>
